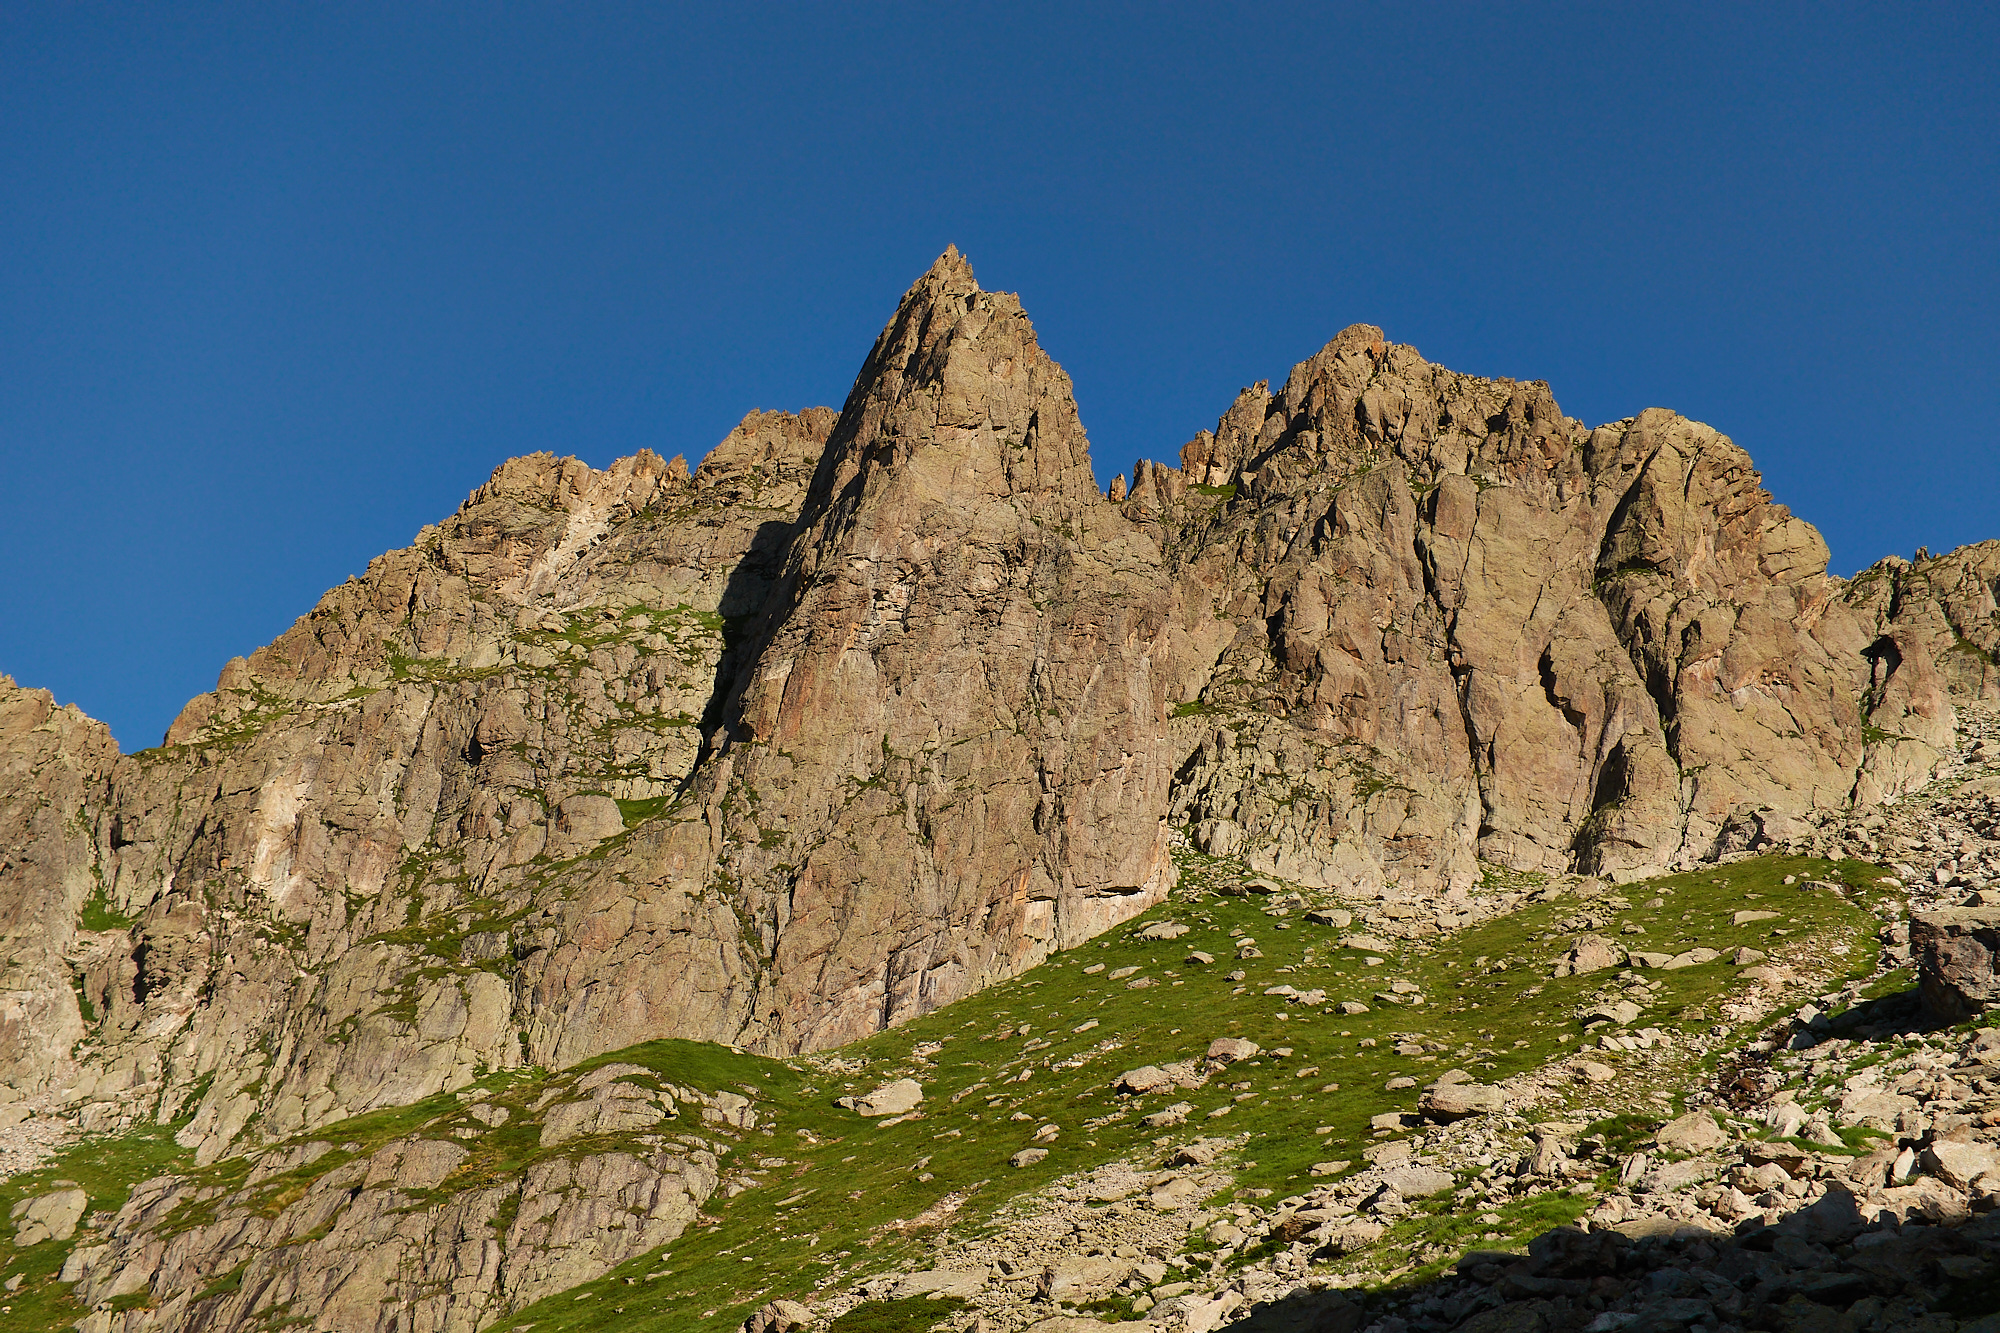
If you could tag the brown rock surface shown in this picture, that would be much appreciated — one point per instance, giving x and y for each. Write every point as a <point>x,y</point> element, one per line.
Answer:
<point>955,702</point>
<point>1462,626</point>
<point>53,764</point>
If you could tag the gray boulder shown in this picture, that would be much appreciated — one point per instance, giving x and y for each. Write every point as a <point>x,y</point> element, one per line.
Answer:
<point>1958,959</point>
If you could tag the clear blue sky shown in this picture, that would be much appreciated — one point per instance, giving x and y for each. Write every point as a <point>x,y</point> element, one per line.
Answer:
<point>279,284</point>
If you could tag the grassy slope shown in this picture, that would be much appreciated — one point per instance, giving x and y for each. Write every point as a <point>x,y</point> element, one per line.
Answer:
<point>830,1214</point>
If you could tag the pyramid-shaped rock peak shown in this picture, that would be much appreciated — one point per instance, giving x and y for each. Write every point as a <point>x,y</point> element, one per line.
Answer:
<point>957,385</point>
<point>969,633</point>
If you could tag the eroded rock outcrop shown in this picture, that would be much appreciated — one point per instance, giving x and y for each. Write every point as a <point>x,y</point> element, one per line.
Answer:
<point>1464,627</point>
<point>53,765</point>
<point>423,1232</point>
<point>949,754</point>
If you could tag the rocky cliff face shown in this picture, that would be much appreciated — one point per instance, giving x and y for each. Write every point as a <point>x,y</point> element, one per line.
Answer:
<point>53,764</point>
<point>875,708</point>
<point>1467,628</point>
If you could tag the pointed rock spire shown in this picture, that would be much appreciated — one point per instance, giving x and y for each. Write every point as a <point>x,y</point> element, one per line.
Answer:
<point>966,630</point>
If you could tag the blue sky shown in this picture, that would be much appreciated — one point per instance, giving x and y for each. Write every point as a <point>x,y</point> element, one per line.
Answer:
<point>279,284</point>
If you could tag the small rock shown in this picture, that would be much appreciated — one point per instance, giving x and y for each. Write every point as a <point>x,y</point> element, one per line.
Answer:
<point>1199,1153</point>
<point>1224,1234</point>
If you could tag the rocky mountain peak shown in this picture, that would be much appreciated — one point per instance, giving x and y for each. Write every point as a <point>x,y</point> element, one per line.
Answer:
<point>986,626</point>
<point>959,376</point>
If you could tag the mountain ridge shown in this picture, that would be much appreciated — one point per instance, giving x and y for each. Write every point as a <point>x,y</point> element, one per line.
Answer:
<point>507,797</point>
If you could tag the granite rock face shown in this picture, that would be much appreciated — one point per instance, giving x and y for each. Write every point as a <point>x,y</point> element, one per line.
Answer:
<point>879,706</point>
<point>1463,627</point>
<point>949,752</point>
<point>53,766</point>
<point>861,715</point>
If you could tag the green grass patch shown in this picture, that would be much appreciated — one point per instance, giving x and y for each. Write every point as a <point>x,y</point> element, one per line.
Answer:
<point>914,1314</point>
<point>98,914</point>
<point>1489,1006</point>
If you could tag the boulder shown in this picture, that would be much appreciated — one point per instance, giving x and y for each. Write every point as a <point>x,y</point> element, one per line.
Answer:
<point>1957,950</point>
<point>1144,1079</point>
<point>1959,1164</point>
<point>1338,1238</point>
<point>1694,1132</point>
<point>1417,1181</point>
<point>897,1098</point>
<point>1228,1050</point>
<point>939,1282</point>
<point>1624,1013</point>
<point>1173,1193</point>
<point>1876,1108</point>
<point>48,1216</point>
<point>1072,1277</point>
<point>1456,1101</point>
<point>1591,953</point>
<point>778,1317</point>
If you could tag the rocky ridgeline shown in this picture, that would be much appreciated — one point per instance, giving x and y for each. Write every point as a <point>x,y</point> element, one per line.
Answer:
<point>879,708</point>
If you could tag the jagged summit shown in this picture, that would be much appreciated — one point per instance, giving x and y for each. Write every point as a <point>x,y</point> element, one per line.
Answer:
<point>958,371</point>
<point>879,706</point>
